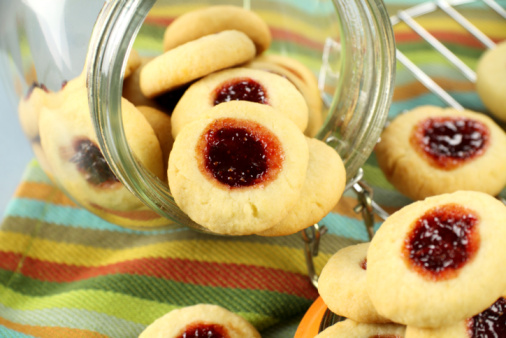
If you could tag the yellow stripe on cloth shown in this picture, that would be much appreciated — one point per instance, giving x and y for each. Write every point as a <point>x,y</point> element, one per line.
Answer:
<point>256,254</point>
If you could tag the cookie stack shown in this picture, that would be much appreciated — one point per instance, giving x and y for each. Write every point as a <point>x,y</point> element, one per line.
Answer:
<point>227,126</point>
<point>243,161</point>
<point>433,269</point>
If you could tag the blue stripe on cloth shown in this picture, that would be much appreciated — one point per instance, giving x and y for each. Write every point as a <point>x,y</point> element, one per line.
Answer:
<point>74,318</point>
<point>70,216</point>
<point>347,227</point>
<point>8,333</point>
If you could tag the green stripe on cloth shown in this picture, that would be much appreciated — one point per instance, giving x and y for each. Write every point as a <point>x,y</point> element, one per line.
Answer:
<point>107,293</point>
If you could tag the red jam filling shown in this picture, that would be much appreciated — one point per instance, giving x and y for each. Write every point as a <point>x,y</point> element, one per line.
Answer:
<point>204,330</point>
<point>33,86</point>
<point>240,89</point>
<point>363,265</point>
<point>442,241</point>
<point>489,323</point>
<point>240,153</point>
<point>91,163</point>
<point>448,142</point>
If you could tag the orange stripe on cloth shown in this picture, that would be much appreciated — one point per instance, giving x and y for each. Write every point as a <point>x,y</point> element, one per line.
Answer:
<point>43,192</point>
<point>414,89</point>
<point>259,254</point>
<point>49,331</point>
<point>178,270</point>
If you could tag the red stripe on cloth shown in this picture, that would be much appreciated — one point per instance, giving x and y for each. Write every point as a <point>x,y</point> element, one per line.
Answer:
<point>158,21</point>
<point>464,39</point>
<point>237,276</point>
<point>284,35</point>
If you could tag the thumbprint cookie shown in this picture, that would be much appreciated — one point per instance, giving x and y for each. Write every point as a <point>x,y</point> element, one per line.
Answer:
<point>322,189</point>
<point>214,19</point>
<point>342,285</point>
<point>238,169</point>
<point>439,260</point>
<point>240,84</point>
<point>75,158</point>
<point>488,323</point>
<point>200,320</point>
<point>195,59</point>
<point>430,151</point>
<point>490,75</point>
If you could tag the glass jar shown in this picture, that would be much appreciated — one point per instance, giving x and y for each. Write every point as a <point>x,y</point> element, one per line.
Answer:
<point>51,49</point>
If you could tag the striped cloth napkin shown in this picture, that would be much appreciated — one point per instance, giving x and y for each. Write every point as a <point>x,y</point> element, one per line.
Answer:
<point>66,273</point>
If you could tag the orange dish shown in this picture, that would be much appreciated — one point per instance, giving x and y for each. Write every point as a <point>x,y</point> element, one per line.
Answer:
<point>310,323</point>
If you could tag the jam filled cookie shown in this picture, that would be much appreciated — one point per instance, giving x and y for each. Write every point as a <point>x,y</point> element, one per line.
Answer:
<point>242,84</point>
<point>430,263</point>
<point>239,169</point>
<point>312,97</point>
<point>201,320</point>
<point>322,189</point>
<point>70,144</point>
<point>430,150</point>
<point>342,285</point>
<point>214,19</point>
<point>488,323</point>
<point>490,75</point>
<point>351,329</point>
<point>195,59</point>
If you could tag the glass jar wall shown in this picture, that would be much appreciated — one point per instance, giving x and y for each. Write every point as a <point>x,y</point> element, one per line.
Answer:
<point>66,66</point>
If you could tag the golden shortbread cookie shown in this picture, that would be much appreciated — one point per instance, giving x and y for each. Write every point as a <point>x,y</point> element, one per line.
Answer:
<point>490,75</point>
<point>195,59</point>
<point>133,62</point>
<point>351,329</point>
<point>200,320</point>
<point>430,263</point>
<point>243,84</point>
<point>239,169</point>
<point>312,96</point>
<point>342,285</point>
<point>214,19</point>
<point>29,107</point>
<point>160,122</point>
<point>431,150</point>
<point>323,187</point>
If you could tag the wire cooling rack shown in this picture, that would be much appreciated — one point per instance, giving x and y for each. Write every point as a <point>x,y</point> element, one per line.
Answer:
<point>366,204</point>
